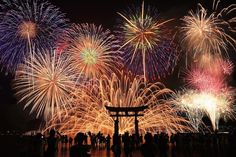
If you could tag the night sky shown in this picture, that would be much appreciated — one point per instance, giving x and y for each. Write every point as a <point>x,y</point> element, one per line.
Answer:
<point>100,12</point>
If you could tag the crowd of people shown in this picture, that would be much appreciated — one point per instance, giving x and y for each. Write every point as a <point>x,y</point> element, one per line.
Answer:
<point>148,145</point>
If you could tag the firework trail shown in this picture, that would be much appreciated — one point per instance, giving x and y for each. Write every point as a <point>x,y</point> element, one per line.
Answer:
<point>28,26</point>
<point>93,50</point>
<point>45,84</point>
<point>89,114</point>
<point>149,48</point>
<point>206,33</point>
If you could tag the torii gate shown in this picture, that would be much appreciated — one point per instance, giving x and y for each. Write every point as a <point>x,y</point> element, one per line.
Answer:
<point>125,112</point>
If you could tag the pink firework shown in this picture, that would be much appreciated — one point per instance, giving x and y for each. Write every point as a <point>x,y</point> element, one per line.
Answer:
<point>210,75</point>
<point>204,80</point>
<point>227,67</point>
<point>215,65</point>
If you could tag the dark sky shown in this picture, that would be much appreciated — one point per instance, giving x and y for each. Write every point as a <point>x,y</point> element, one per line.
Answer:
<point>102,12</point>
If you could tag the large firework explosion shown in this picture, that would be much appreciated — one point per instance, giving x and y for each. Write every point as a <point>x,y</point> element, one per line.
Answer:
<point>93,50</point>
<point>27,25</point>
<point>90,114</point>
<point>45,84</point>
<point>205,32</point>
<point>147,43</point>
<point>199,103</point>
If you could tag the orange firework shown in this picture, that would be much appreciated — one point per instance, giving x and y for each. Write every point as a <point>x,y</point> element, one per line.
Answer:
<point>89,112</point>
<point>205,32</point>
<point>93,50</point>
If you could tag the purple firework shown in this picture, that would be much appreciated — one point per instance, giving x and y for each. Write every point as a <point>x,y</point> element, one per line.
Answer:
<point>27,25</point>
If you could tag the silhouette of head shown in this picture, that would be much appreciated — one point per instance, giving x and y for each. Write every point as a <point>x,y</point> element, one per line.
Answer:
<point>79,138</point>
<point>52,133</point>
<point>148,137</point>
<point>126,133</point>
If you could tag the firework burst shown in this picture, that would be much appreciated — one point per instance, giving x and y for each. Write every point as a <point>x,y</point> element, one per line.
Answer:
<point>205,81</point>
<point>27,25</point>
<point>210,75</point>
<point>206,33</point>
<point>45,83</point>
<point>90,113</point>
<point>149,50</point>
<point>94,51</point>
<point>193,112</point>
<point>197,103</point>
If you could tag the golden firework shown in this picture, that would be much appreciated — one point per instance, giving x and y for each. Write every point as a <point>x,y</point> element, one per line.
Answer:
<point>89,112</point>
<point>45,83</point>
<point>27,29</point>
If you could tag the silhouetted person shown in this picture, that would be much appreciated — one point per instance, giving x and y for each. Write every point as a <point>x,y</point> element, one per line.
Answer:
<point>51,141</point>
<point>156,140</point>
<point>66,140</point>
<point>79,150</point>
<point>173,147</point>
<point>163,144</point>
<point>108,142</point>
<point>127,145</point>
<point>70,141</point>
<point>116,147</point>
<point>149,148</point>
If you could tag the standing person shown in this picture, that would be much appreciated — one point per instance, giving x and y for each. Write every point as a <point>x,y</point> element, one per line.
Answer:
<point>127,145</point>
<point>163,141</point>
<point>70,141</point>
<point>108,142</point>
<point>66,141</point>
<point>116,147</point>
<point>149,148</point>
<point>79,149</point>
<point>51,141</point>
